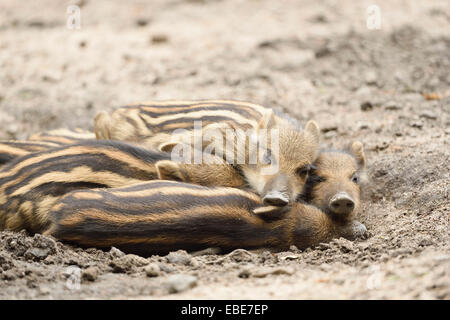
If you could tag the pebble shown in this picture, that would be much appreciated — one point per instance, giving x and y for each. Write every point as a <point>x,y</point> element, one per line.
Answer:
<point>142,22</point>
<point>344,244</point>
<point>240,255</point>
<point>392,105</point>
<point>90,274</point>
<point>116,253</point>
<point>362,125</point>
<point>366,106</point>
<point>152,270</point>
<point>425,241</point>
<point>364,91</point>
<point>274,271</point>
<point>416,124</point>
<point>127,263</point>
<point>428,115</point>
<point>9,275</point>
<point>44,290</point>
<point>329,127</point>
<point>159,38</point>
<point>245,273</point>
<point>181,282</point>
<point>36,253</point>
<point>370,77</point>
<point>180,257</point>
<point>290,257</point>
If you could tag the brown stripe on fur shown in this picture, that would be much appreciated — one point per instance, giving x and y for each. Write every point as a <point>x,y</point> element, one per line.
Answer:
<point>213,192</point>
<point>147,217</point>
<point>77,149</point>
<point>4,148</point>
<point>83,173</point>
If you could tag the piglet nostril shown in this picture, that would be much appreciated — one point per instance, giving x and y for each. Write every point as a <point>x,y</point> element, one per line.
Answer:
<point>335,204</point>
<point>275,199</point>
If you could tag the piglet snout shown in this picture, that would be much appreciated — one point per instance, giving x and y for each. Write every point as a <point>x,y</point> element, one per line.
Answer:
<point>341,203</point>
<point>275,198</point>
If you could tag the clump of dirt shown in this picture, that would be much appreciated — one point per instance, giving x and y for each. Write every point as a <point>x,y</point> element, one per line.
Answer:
<point>388,88</point>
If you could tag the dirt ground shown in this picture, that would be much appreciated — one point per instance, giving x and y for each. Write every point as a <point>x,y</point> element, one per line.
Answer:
<point>389,88</point>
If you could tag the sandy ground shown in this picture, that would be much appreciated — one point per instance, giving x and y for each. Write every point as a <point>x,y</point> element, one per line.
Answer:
<point>389,88</point>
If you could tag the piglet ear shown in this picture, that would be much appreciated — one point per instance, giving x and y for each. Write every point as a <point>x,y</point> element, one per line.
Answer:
<point>357,151</point>
<point>170,170</point>
<point>268,121</point>
<point>102,123</point>
<point>270,212</point>
<point>312,130</point>
<point>167,146</point>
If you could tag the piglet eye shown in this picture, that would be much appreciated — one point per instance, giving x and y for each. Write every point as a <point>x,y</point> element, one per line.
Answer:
<point>303,171</point>
<point>355,178</point>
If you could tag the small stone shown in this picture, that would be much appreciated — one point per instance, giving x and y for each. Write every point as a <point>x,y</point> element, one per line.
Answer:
<point>43,242</point>
<point>241,255</point>
<point>392,105</point>
<point>137,260</point>
<point>290,257</point>
<point>152,270</point>
<point>9,275</point>
<point>345,245</point>
<point>179,257</point>
<point>380,172</point>
<point>159,38</point>
<point>428,115</point>
<point>127,263</point>
<point>244,273</point>
<point>329,127</point>
<point>116,253</point>
<point>323,246</point>
<point>166,268</point>
<point>416,124</point>
<point>90,274</point>
<point>181,282</point>
<point>142,22</point>
<point>36,254</point>
<point>361,125</point>
<point>273,271</point>
<point>382,146</point>
<point>366,106</point>
<point>44,290</point>
<point>319,18</point>
<point>370,77</point>
<point>364,92</point>
<point>425,241</point>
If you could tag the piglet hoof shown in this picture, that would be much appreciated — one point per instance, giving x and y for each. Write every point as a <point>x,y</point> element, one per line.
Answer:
<point>359,230</point>
<point>354,230</point>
